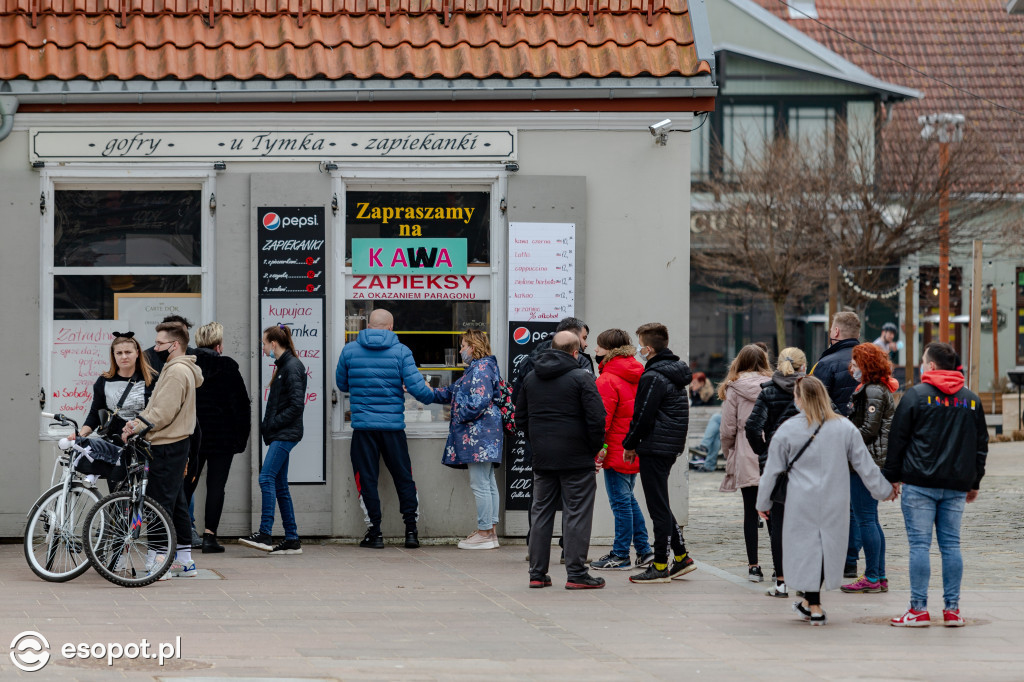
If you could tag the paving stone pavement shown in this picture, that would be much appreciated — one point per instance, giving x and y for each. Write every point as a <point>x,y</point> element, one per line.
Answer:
<point>338,612</point>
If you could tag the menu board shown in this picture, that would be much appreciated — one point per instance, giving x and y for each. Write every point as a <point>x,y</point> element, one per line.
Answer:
<point>291,253</point>
<point>291,284</point>
<point>541,271</point>
<point>80,353</point>
<point>523,338</point>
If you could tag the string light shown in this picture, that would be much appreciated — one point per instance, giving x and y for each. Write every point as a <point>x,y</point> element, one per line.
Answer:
<point>892,292</point>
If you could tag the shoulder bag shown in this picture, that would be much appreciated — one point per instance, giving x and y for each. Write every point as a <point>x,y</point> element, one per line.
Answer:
<point>782,482</point>
<point>104,429</point>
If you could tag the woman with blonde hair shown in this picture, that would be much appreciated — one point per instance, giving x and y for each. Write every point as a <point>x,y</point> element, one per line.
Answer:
<point>475,435</point>
<point>739,392</point>
<point>814,452</point>
<point>774,406</point>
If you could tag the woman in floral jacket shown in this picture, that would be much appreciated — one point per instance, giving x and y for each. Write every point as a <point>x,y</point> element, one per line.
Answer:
<point>475,435</point>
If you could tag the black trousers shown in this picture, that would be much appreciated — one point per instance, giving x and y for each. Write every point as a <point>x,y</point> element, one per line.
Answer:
<point>654,473</point>
<point>217,469</point>
<point>167,486</point>
<point>750,522</point>
<point>575,490</point>
<point>368,447</point>
<point>775,519</point>
<point>196,460</point>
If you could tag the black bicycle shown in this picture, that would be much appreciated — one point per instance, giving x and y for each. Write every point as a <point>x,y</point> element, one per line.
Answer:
<point>128,536</point>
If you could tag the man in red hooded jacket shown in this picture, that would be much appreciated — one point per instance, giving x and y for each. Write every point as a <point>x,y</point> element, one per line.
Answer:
<point>938,444</point>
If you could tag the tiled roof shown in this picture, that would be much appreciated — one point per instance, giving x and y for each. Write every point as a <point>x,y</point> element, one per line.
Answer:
<point>971,44</point>
<point>304,39</point>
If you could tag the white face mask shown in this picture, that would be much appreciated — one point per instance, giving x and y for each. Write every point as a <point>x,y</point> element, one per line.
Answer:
<point>857,374</point>
<point>643,356</point>
<point>467,356</point>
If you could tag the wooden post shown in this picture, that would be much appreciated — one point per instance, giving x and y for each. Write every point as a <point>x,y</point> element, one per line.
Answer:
<point>909,331</point>
<point>995,341</point>
<point>944,243</point>
<point>833,293</point>
<point>974,378</point>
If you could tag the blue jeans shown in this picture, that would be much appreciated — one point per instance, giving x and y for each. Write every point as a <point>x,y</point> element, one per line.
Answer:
<point>274,485</point>
<point>485,489</point>
<point>865,516</point>
<point>924,508</point>
<point>630,526</point>
<point>712,441</point>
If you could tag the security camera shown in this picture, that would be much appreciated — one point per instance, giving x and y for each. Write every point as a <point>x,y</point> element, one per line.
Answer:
<point>659,128</point>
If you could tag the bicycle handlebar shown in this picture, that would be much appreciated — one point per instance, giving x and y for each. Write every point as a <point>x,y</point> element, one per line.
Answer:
<point>61,419</point>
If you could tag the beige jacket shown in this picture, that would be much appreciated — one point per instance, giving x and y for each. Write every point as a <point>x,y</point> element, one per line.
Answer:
<point>172,407</point>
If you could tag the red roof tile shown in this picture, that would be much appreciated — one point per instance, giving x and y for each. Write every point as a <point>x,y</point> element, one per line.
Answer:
<point>971,44</point>
<point>158,39</point>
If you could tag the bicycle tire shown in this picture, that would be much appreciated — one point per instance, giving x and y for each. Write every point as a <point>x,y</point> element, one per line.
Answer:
<point>113,550</point>
<point>59,555</point>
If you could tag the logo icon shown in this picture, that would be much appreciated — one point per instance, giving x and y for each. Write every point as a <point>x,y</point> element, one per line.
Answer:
<point>521,336</point>
<point>271,221</point>
<point>30,651</point>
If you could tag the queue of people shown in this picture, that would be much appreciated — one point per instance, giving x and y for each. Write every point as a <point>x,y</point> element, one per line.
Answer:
<point>812,453</point>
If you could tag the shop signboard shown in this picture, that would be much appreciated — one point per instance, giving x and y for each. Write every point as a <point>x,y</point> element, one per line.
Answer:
<point>409,256</point>
<point>290,272</point>
<point>419,287</point>
<point>141,313</point>
<point>541,270</point>
<point>523,338</point>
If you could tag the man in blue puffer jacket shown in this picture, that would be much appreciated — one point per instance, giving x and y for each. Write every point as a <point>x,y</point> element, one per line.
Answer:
<point>376,370</point>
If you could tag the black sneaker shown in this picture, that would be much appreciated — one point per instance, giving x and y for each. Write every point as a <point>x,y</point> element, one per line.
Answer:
<point>412,539</point>
<point>651,575</point>
<point>611,562</point>
<point>210,544</point>
<point>540,581</point>
<point>754,574</point>
<point>850,571</point>
<point>373,539</point>
<point>584,582</point>
<point>680,568</point>
<point>699,451</point>
<point>288,547</point>
<point>645,560</point>
<point>257,541</point>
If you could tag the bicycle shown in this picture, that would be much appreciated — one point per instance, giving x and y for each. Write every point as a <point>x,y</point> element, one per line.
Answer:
<point>129,537</point>
<point>53,534</point>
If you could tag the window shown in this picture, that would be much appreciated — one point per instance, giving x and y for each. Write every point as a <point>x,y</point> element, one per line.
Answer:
<point>700,151</point>
<point>432,309</point>
<point>813,127</point>
<point>120,255</point>
<point>746,130</point>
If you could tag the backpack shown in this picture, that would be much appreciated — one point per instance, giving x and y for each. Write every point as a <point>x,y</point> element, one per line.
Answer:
<point>507,407</point>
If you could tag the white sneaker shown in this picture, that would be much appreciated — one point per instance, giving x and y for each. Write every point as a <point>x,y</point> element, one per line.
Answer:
<point>777,591</point>
<point>180,570</point>
<point>479,540</point>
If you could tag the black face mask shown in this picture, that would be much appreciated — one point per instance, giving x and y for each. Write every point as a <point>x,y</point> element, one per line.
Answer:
<point>599,358</point>
<point>164,354</point>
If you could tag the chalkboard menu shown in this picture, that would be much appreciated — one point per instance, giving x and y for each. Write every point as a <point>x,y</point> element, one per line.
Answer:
<point>523,338</point>
<point>291,253</point>
<point>291,261</point>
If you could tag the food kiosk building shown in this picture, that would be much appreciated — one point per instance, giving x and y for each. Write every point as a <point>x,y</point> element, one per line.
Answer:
<point>467,164</point>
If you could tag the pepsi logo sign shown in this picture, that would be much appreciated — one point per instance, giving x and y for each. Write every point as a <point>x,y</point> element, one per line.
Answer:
<point>271,221</point>
<point>521,336</point>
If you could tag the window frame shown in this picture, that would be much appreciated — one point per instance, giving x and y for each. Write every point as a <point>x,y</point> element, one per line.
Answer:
<point>416,178</point>
<point>120,177</point>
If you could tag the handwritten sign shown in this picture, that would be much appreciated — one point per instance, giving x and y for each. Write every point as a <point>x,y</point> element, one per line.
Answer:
<point>80,353</point>
<point>541,271</point>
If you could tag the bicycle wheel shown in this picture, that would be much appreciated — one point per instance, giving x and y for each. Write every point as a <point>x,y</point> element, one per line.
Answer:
<point>53,534</point>
<point>130,543</point>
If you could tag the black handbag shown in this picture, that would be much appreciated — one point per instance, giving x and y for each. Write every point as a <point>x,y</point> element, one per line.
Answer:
<point>113,424</point>
<point>782,482</point>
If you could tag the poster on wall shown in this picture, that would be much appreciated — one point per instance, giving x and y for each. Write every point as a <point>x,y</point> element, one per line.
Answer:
<point>141,313</point>
<point>541,271</point>
<point>291,256</point>
<point>523,338</point>
<point>80,353</point>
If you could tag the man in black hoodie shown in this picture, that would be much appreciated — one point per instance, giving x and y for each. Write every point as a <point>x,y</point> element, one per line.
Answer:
<point>657,433</point>
<point>562,414</point>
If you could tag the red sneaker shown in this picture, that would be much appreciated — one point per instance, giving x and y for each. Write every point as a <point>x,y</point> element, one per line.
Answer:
<point>912,619</point>
<point>952,619</point>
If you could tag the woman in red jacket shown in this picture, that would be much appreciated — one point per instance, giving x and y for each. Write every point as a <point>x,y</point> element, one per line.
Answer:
<point>620,373</point>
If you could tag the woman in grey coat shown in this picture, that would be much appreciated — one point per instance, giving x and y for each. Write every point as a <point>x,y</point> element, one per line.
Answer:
<point>817,523</point>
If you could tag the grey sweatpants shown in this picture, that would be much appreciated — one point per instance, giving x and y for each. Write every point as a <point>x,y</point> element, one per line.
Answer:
<point>576,490</point>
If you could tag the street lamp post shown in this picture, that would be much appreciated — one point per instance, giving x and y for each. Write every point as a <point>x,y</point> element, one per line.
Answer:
<point>947,128</point>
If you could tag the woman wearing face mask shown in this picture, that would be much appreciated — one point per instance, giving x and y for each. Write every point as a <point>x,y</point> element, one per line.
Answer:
<point>871,410</point>
<point>475,435</point>
<point>123,390</point>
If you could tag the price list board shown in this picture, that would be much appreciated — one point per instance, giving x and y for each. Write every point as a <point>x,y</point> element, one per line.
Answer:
<point>541,271</point>
<point>291,258</point>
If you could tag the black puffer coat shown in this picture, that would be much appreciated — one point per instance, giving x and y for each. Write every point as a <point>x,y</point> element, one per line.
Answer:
<point>282,419</point>
<point>833,369</point>
<point>774,406</point>
<point>561,412</point>
<point>873,408</point>
<point>222,405</point>
<point>661,413</point>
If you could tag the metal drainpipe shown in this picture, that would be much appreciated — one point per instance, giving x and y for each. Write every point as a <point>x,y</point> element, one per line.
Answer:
<point>8,107</point>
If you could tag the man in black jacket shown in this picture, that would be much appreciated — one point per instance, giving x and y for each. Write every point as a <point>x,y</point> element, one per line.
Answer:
<point>562,415</point>
<point>938,444</point>
<point>657,433</point>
